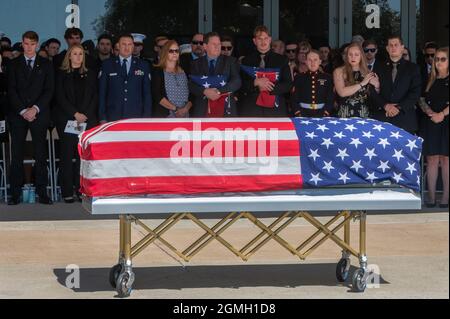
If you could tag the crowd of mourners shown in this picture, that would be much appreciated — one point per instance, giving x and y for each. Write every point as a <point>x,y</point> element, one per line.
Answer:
<point>88,84</point>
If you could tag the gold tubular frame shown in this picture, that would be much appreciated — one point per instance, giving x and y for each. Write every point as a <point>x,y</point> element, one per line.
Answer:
<point>328,231</point>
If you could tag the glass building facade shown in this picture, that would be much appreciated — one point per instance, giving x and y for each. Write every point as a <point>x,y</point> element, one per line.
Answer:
<point>320,21</point>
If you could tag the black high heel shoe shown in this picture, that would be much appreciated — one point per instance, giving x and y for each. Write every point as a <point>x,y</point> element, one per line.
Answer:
<point>430,205</point>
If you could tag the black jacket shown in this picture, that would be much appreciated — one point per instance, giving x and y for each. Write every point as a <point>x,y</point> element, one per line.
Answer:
<point>250,93</point>
<point>24,91</point>
<point>186,62</point>
<point>405,92</point>
<point>225,66</point>
<point>159,92</point>
<point>66,107</point>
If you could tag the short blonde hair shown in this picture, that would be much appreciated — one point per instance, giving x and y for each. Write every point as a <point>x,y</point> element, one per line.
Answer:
<point>67,65</point>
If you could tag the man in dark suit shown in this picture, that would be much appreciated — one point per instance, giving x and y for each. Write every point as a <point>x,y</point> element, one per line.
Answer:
<point>125,89</point>
<point>265,58</point>
<point>197,51</point>
<point>371,50</point>
<point>400,89</point>
<point>213,63</point>
<point>31,85</point>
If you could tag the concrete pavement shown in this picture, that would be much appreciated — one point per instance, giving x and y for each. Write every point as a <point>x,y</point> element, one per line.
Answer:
<point>410,250</point>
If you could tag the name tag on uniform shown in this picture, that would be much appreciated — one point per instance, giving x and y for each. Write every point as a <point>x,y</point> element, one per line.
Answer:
<point>322,82</point>
<point>2,127</point>
<point>113,74</point>
<point>73,127</point>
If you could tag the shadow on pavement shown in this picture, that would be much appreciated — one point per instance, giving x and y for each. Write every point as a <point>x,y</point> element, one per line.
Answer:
<point>235,276</point>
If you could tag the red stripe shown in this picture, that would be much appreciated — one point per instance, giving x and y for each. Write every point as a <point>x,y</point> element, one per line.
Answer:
<point>184,185</point>
<point>162,149</point>
<point>162,126</point>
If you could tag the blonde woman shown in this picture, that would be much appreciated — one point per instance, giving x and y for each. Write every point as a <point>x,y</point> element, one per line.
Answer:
<point>170,84</point>
<point>435,104</point>
<point>354,83</point>
<point>77,100</point>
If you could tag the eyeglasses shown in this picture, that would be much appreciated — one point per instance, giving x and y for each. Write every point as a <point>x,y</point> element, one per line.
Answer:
<point>197,42</point>
<point>405,55</point>
<point>370,50</point>
<point>172,51</point>
<point>227,48</point>
<point>430,55</point>
<point>291,51</point>
<point>438,59</point>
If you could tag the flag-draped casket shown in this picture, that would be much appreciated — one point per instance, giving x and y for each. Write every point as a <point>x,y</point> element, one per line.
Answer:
<point>228,155</point>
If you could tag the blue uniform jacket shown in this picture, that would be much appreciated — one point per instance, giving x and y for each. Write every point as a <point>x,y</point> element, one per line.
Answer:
<point>124,96</point>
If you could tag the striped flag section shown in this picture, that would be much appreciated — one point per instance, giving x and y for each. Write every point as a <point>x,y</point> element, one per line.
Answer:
<point>190,156</point>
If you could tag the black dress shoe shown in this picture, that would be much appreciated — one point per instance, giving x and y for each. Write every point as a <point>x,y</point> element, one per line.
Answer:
<point>430,205</point>
<point>69,200</point>
<point>13,201</point>
<point>45,200</point>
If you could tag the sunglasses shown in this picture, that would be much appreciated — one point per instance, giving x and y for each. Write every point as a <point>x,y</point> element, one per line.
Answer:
<point>227,48</point>
<point>370,50</point>
<point>172,51</point>
<point>291,51</point>
<point>430,55</point>
<point>438,59</point>
<point>197,42</point>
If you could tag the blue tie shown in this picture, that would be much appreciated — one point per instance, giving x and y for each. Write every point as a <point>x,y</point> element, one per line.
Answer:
<point>124,67</point>
<point>212,67</point>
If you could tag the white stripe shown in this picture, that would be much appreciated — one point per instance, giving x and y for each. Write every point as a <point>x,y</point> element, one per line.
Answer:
<point>161,167</point>
<point>209,120</point>
<point>154,136</point>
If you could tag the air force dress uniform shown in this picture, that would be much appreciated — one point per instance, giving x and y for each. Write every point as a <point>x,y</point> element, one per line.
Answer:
<point>125,90</point>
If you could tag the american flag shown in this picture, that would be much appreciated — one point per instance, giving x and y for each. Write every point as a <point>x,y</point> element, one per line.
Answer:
<point>221,106</point>
<point>229,155</point>
<point>265,99</point>
<point>339,152</point>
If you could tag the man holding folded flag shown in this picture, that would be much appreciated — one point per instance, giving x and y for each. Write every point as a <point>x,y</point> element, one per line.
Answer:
<point>214,80</point>
<point>266,79</point>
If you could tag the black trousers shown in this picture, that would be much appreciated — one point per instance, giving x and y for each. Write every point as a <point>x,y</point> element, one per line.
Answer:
<point>19,129</point>
<point>69,172</point>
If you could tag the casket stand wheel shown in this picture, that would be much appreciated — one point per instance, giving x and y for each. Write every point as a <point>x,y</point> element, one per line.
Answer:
<point>342,269</point>
<point>114,274</point>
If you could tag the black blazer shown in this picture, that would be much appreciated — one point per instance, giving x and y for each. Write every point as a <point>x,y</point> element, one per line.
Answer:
<point>37,89</point>
<point>225,66</point>
<point>250,92</point>
<point>405,92</point>
<point>159,92</point>
<point>186,62</point>
<point>66,107</point>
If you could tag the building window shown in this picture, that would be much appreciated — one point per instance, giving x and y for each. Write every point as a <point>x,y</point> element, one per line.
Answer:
<point>305,19</point>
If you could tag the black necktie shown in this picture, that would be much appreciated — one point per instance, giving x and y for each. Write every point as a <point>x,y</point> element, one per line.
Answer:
<point>370,67</point>
<point>212,67</point>
<point>124,66</point>
<point>262,64</point>
<point>29,64</point>
<point>394,71</point>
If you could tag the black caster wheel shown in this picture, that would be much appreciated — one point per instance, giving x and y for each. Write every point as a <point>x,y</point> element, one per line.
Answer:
<point>359,280</point>
<point>342,269</point>
<point>124,284</point>
<point>114,273</point>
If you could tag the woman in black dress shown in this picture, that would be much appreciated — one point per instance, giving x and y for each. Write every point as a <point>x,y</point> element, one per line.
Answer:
<point>3,98</point>
<point>77,100</point>
<point>435,127</point>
